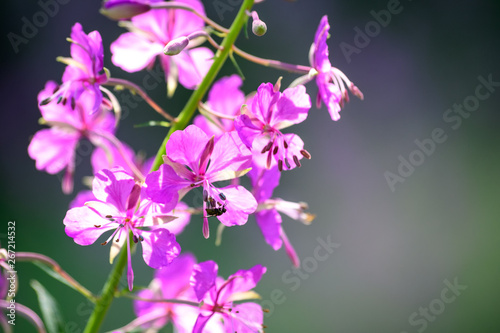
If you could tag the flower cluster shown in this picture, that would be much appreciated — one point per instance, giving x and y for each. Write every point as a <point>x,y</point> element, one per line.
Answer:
<point>137,201</point>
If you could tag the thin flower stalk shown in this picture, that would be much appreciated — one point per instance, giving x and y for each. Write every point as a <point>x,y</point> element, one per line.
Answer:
<point>31,256</point>
<point>176,5</point>
<point>136,89</point>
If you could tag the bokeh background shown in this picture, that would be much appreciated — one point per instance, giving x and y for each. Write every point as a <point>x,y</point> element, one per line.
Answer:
<point>396,249</point>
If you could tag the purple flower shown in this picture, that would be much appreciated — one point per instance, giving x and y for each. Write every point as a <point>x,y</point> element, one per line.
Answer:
<point>171,282</point>
<point>194,159</point>
<point>84,69</point>
<point>330,80</point>
<point>122,206</point>
<point>150,32</point>
<point>54,149</point>
<point>268,216</point>
<point>218,296</point>
<point>260,127</point>
<point>225,98</point>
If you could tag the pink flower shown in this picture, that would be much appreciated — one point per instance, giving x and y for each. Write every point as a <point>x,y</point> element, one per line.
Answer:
<point>271,111</point>
<point>150,32</point>
<point>194,159</point>
<point>218,296</point>
<point>83,71</point>
<point>171,282</point>
<point>330,80</point>
<point>225,98</point>
<point>268,216</point>
<point>122,206</point>
<point>54,149</point>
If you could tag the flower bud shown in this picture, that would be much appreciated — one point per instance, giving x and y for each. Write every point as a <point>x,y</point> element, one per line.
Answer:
<point>259,28</point>
<point>175,46</point>
<point>123,9</point>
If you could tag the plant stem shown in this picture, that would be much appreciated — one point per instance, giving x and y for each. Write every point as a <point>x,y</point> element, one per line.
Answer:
<point>31,256</point>
<point>219,60</point>
<point>136,89</point>
<point>272,63</point>
<point>111,285</point>
<point>108,291</point>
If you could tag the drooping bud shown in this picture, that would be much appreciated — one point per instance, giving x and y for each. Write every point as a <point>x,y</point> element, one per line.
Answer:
<point>259,28</point>
<point>123,9</point>
<point>175,46</point>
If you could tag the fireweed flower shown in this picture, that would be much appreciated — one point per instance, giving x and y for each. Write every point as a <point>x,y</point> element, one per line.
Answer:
<point>269,112</point>
<point>196,160</point>
<point>122,206</point>
<point>171,282</point>
<point>226,98</point>
<point>268,216</point>
<point>218,297</point>
<point>330,80</point>
<point>181,212</point>
<point>54,149</point>
<point>83,70</point>
<point>150,32</point>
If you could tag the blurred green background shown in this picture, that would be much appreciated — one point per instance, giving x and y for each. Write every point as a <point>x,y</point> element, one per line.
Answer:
<point>398,249</point>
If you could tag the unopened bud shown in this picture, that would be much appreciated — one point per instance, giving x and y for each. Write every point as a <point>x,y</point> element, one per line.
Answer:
<point>123,9</point>
<point>175,46</point>
<point>259,28</point>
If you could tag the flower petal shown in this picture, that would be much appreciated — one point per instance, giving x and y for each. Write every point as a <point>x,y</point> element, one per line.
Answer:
<point>81,225</point>
<point>159,248</point>
<point>203,277</point>
<point>291,108</point>
<point>239,204</point>
<point>245,318</point>
<point>163,185</point>
<point>241,281</point>
<point>269,222</point>
<point>185,147</point>
<point>53,149</point>
<point>132,52</point>
<point>193,65</point>
<point>113,186</point>
<point>228,158</point>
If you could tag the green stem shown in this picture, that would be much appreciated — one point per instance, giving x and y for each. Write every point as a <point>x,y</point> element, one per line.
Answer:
<point>109,289</point>
<point>219,59</point>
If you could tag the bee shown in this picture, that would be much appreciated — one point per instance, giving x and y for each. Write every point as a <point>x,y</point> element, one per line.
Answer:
<point>215,208</point>
<point>217,211</point>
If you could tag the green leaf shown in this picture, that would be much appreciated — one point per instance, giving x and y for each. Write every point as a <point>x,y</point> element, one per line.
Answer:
<point>50,309</point>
